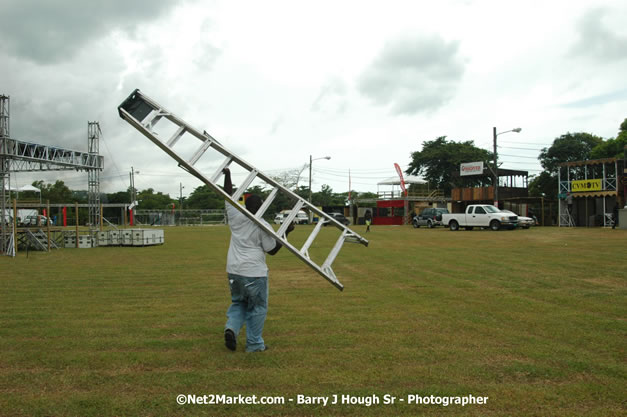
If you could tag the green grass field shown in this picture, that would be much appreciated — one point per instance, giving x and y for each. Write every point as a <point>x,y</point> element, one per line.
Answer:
<point>532,319</point>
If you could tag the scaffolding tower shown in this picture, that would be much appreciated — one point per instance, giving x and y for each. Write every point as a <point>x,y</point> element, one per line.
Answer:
<point>6,226</point>
<point>595,179</point>
<point>93,175</point>
<point>21,156</point>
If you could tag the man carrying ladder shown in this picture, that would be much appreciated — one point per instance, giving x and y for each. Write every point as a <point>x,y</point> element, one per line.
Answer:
<point>247,272</point>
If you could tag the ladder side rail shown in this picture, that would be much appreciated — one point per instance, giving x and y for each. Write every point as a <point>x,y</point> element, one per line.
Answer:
<point>217,146</point>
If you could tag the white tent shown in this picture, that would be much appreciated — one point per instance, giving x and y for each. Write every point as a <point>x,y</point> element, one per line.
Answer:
<point>396,181</point>
<point>24,188</point>
<point>409,179</point>
<point>28,188</point>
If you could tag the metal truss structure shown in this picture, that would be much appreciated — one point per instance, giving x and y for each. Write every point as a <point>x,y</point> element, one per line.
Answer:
<point>21,156</point>
<point>93,175</point>
<point>600,176</point>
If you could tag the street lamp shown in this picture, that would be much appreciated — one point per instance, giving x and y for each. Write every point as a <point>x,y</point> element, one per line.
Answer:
<point>496,167</point>
<point>181,203</point>
<point>310,161</point>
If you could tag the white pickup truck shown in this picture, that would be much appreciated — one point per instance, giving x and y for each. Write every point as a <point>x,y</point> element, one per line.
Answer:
<point>480,215</point>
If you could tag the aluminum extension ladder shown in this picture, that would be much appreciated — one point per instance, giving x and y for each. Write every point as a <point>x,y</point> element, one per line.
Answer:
<point>143,114</point>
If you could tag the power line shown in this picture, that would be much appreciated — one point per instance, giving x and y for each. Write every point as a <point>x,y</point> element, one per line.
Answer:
<point>524,149</point>
<point>519,156</point>
<point>111,156</point>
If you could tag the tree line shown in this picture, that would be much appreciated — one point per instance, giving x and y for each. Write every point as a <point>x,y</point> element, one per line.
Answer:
<point>437,162</point>
<point>201,198</point>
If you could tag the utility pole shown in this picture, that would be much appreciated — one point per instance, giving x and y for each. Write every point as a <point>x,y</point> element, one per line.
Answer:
<point>496,163</point>
<point>181,203</point>
<point>496,171</point>
<point>133,193</point>
<point>310,161</point>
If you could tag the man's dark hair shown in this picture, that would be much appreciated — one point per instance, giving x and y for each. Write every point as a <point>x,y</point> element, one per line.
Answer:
<point>253,202</point>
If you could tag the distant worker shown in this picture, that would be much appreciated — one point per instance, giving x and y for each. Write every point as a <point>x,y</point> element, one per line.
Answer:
<point>368,220</point>
<point>247,272</point>
<point>615,216</point>
<point>569,202</point>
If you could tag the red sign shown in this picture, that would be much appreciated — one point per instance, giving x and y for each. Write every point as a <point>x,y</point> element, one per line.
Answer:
<point>400,175</point>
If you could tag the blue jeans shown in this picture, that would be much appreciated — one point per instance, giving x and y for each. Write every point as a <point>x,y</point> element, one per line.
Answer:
<point>249,305</point>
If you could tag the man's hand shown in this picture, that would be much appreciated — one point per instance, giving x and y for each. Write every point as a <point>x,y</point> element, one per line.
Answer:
<point>228,185</point>
<point>278,245</point>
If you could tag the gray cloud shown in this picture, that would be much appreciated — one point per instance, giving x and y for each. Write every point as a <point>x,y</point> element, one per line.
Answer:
<point>598,100</point>
<point>596,40</point>
<point>52,31</point>
<point>413,75</point>
<point>332,97</point>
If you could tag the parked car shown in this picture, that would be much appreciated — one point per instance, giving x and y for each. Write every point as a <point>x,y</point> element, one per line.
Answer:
<point>339,217</point>
<point>301,217</point>
<point>480,215</point>
<point>32,221</point>
<point>524,222</point>
<point>429,217</point>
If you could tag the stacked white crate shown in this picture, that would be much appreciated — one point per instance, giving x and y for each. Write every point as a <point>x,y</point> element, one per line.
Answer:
<point>69,241</point>
<point>114,238</point>
<point>147,237</point>
<point>104,238</point>
<point>158,236</point>
<point>126,237</point>
<point>84,241</point>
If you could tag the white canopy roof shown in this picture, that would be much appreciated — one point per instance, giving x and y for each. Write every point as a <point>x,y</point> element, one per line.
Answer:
<point>25,188</point>
<point>409,179</point>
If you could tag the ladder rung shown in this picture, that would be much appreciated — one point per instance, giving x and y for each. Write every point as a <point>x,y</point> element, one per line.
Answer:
<point>336,249</point>
<point>203,148</point>
<point>266,203</point>
<point>224,164</point>
<point>243,186</point>
<point>176,136</point>
<point>290,217</point>
<point>152,119</point>
<point>305,249</point>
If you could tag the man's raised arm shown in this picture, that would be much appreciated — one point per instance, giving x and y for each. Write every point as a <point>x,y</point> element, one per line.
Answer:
<point>228,185</point>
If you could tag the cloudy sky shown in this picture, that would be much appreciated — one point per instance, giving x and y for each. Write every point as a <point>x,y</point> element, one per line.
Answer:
<point>276,82</point>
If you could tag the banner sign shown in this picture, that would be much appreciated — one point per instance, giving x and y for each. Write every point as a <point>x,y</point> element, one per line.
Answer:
<point>471,168</point>
<point>400,175</point>
<point>585,185</point>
